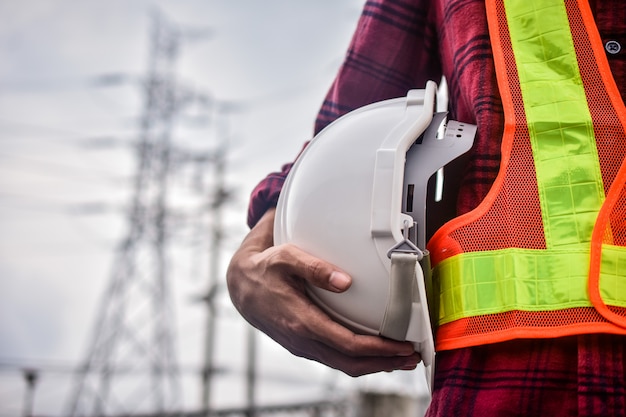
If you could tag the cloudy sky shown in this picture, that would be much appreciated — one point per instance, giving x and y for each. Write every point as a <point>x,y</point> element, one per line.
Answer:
<point>70,106</point>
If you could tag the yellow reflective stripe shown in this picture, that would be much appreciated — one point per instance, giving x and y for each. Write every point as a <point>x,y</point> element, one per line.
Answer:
<point>612,280</point>
<point>559,121</point>
<point>489,282</point>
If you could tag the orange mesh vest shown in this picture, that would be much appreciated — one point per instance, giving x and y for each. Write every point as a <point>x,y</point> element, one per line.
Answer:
<point>544,255</point>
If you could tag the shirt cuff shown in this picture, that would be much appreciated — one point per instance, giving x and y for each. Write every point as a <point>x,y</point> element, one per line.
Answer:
<point>265,194</point>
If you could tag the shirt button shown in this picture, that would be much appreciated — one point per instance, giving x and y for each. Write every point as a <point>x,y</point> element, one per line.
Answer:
<point>613,47</point>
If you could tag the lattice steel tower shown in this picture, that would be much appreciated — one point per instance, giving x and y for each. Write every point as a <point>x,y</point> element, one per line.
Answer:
<point>131,364</point>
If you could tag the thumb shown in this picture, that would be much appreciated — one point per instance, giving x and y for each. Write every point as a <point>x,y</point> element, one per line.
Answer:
<point>316,271</point>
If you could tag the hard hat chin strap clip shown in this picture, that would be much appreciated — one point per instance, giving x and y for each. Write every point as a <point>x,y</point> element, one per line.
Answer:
<point>406,245</point>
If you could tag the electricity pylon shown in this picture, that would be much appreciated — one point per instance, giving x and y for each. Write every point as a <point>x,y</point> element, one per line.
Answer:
<point>131,365</point>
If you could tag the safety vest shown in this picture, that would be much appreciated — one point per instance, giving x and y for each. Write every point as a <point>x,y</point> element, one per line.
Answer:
<point>544,255</point>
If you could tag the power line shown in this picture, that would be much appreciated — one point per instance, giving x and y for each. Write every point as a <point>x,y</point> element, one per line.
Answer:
<point>13,365</point>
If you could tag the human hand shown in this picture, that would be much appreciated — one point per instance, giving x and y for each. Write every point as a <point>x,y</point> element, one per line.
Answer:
<point>267,285</point>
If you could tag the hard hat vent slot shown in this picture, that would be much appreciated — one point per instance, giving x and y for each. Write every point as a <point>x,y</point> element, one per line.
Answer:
<point>410,189</point>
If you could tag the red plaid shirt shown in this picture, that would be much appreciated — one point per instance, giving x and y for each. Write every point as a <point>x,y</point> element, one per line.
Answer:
<point>399,45</point>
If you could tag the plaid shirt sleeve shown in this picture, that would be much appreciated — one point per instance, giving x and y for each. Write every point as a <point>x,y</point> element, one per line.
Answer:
<point>393,50</point>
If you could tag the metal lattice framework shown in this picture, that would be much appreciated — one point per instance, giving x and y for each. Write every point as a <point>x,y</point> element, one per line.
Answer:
<point>131,367</point>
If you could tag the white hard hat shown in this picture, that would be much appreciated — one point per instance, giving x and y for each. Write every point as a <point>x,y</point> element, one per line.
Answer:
<point>352,198</point>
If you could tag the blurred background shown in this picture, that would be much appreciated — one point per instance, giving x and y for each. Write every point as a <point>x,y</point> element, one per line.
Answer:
<point>131,134</point>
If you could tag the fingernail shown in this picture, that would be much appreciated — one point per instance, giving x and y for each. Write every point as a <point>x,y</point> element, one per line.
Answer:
<point>409,367</point>
<point>339,281</point>
<point>407,350</point>
<point>412,364</point>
